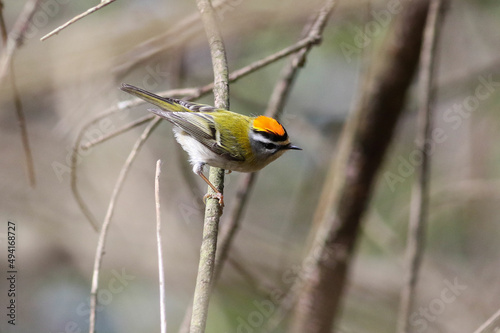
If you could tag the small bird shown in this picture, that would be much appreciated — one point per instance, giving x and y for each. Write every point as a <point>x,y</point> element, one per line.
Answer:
<point>218,137</point>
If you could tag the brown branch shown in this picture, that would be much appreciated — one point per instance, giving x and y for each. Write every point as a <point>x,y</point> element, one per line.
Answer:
<point>420,194</point>
<point>12,41</point>
<point>103,3</point>
<point>364,141</point>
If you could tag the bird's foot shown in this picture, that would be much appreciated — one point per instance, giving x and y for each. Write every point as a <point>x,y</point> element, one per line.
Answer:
<point>217,196</point>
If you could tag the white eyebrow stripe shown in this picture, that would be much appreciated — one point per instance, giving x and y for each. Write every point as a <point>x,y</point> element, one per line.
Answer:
<point>261,138</point>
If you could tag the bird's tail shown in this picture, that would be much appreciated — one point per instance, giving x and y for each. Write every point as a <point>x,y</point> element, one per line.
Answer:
<point>164,103</point>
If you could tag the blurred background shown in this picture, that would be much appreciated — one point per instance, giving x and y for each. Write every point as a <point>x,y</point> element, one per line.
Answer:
<point>70,78</point>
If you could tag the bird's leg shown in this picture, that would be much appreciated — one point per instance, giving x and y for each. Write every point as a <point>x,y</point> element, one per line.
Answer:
<point>217,194</point>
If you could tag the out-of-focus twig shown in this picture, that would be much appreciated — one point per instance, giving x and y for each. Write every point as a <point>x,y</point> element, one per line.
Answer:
<point>16,35</point>
<point>487,326</point>
<point>107,219</point>
<point>190,26</point>
<point>103,3</point>
<point>362,146</point>
<point>420,193</point>
<point>161,270</point>
<point>11,42</point>
<point>123,129</point>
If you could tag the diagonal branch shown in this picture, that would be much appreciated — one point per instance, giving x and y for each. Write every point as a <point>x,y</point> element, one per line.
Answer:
<point>103,3</point>
<point>364,141</point>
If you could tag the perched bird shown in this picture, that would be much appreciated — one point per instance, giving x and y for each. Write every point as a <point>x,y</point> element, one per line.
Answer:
<point>217,137</point>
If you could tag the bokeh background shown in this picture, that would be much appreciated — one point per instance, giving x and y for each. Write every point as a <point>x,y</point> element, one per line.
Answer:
<point>72,77</point>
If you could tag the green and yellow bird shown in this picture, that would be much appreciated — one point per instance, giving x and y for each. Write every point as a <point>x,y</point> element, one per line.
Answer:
<point>219,138</point>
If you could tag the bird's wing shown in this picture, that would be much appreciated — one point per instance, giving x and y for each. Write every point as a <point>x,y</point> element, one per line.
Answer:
<point>195,119</point>
<point>202,127</point>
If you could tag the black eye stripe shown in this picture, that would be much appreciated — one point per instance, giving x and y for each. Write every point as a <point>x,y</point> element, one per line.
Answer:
<point>272,136</point>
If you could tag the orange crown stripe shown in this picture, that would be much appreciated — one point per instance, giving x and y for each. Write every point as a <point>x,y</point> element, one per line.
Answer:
<point>266,124</point>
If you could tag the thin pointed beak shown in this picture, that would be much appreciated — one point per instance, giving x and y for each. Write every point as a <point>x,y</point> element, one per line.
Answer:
<point>292,147</point>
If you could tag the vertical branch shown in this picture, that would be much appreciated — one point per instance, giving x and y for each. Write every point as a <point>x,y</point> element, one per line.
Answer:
<point>364,141</point>
<point>275,107</point>
<point>11,42</point>
<point>109,214</point>
<point>420,192</point>
<point>213,209</point>
<point>161,272</point>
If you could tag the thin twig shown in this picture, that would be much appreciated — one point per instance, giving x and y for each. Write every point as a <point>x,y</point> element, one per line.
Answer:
<point>16,35</point>
<point>161,270</point>
<point>123,129</point>
<point>12,42</point>
<point>77,18</point>
<point>420,193</point>
<point>487,325</point>
<point>107,219</point>
<point>189,26</point>
<point>213,209</point>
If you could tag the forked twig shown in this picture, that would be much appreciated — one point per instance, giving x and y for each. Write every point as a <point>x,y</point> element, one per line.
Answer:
<point>107,220</point>
<point>103,3</point>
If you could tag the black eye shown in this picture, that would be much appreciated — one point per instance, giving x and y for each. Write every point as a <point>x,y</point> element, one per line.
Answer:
<point>270,146</point>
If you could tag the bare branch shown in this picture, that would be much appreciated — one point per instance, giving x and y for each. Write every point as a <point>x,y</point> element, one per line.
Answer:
<point>109,214</point>
<point>129,126</point>
<point>161,270</point>
<point>103,3</point>
<point>362,146</point>
<point>420,193</point>
<point>213,209</point>
<point>190,26</point>
<point>12,41</point>
<point>274,109</point>
<point>487,326</point>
